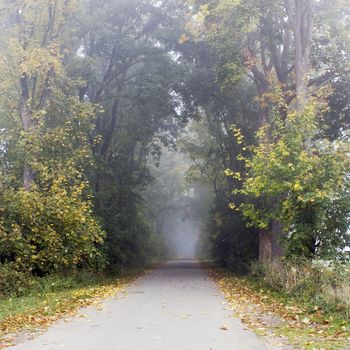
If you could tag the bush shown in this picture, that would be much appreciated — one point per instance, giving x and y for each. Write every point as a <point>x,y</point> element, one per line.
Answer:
<point>13,281</point>
<point>50,230</point>
<point>300,181</point>
<point>339,296</point>
<point>316,283</point>
<point>234,245</point>
<point>131,242</point>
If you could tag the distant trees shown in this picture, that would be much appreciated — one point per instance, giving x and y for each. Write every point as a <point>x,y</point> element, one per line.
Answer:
<point>212,149</point>
<point>130,72</point>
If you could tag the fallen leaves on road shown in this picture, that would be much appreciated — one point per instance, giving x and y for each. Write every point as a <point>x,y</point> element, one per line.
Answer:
<point>58,306</point>
<point>282,322</point>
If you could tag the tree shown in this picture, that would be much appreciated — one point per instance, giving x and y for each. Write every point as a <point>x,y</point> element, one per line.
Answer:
<point>270,43</point>
<point>46,216</point>
<point>306,186</point>
<point>130,71</point>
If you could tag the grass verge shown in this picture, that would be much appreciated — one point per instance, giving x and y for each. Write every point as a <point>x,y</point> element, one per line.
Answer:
<point>55,297</point>
<point>276,315</point>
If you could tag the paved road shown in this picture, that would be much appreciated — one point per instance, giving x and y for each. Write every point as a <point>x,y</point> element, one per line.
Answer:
<point>176,307</point>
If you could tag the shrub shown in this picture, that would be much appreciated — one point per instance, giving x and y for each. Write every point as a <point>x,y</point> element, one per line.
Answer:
<point>133,246</point>
<point>339,296</point>
<point>50,231</point>
<point>300,181</point>
<point>14,281</point>
<point>316,283</point>
<point>234,245</point>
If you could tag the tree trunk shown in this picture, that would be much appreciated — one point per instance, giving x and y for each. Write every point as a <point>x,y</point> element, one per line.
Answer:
<point>301,22</point>
<point>28,175</point>
<point>270,247</point>
<point>300,19</point>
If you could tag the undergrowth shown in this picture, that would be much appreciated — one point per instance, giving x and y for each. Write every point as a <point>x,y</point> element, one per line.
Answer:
<point>318,285</point>
<point>306,303</point>
<point>40,301</point>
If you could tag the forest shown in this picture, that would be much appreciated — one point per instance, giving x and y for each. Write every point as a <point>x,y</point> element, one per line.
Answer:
<point>134,131</point>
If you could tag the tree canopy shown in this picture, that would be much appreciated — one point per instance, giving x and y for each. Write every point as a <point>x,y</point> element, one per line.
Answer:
<point>98,97</point>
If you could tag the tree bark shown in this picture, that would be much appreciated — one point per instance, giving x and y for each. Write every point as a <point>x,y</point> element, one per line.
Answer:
<point>28,175</point>
<point>301,21</point>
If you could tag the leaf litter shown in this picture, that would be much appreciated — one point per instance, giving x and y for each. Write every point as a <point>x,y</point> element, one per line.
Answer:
<point>284,325</point>
<point>54,306</point>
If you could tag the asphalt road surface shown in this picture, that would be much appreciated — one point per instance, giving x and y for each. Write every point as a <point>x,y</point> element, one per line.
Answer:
<point>175,307</point>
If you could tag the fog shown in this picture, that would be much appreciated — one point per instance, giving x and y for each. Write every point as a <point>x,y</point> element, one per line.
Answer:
<point>181,236</point>
<point>178,205</point>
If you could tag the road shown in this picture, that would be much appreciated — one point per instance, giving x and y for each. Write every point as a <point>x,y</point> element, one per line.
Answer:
<point>175,307</point>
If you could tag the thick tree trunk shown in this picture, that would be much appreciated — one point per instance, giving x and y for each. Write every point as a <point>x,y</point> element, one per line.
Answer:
<point>265,245</point>
<point>301,22</point>
<point>270,247</point>
<point>300,19</point>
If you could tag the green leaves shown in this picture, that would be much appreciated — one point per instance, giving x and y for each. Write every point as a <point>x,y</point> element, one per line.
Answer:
<point>50,229</point>
<point>297,179</point>
<point>47,226</point>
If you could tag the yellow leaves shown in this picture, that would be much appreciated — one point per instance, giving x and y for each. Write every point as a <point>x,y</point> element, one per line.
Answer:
<point>34,59</point>
<point>183,39</point>
<point>40,61</point>
<point>297,186</point>
<point>290,164</point>
<point>232,206</point>
<point>237,175</point>
<point>46,307</point>
<point>195,24</point>
<point>237,133</point>
<point>264,313</point>
<point>202,13</point>
<point>262,133</point>
<point>228,172</point>
<point>63,230</point>
<point>52,225</point>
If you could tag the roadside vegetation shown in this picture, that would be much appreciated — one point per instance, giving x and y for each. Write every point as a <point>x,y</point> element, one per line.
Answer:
<point>85,105</point>
<point>276,118</point>
<point>291,304</point>
<point>36,303</point>
<point>96,97</point>
<point>325,289</point>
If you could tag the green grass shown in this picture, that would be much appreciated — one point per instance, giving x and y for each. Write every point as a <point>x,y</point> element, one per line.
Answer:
<point>303,323</point>
<point>55,297</point>
<point>336,324</point>
<point>48,290</point>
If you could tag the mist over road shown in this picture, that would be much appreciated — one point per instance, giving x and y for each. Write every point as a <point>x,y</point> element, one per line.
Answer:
<point>176,307</point>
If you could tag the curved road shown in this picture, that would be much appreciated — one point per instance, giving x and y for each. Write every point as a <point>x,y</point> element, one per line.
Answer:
<point>176,307</point>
